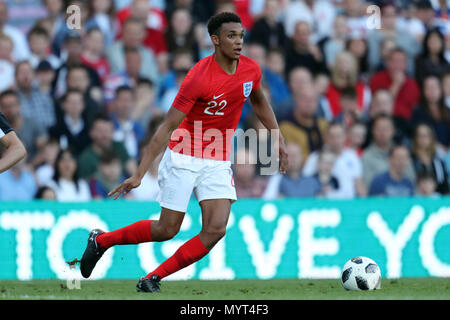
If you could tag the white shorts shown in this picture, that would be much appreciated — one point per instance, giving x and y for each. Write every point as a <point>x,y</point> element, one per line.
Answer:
<point>179,175</point>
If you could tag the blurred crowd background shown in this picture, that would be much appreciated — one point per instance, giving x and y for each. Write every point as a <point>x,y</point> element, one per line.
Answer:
<point>361,91</point>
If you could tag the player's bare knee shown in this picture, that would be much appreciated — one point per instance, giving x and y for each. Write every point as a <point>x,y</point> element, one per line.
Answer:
<point>214,233</point>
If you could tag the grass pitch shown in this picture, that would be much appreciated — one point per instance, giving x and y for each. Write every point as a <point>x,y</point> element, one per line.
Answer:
<point>280,289</point>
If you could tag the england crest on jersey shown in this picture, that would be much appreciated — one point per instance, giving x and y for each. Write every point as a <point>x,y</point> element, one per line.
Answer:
<point>247,86</point>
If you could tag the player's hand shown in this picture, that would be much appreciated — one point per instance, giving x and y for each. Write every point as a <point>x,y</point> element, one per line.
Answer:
<point>125,187</point>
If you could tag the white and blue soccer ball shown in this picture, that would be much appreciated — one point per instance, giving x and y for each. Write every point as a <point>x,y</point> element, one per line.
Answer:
<point>361,273</point>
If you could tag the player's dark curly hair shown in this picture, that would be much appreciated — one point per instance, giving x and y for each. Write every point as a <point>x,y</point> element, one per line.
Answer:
<point>215,22</point>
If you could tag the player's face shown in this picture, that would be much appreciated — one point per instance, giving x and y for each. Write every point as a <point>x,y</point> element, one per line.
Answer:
<point>230,40</point>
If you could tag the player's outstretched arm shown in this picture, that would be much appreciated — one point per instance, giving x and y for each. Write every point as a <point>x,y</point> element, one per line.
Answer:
<point>265,114</point>
<point>15,151</point>
<point>154,147</point>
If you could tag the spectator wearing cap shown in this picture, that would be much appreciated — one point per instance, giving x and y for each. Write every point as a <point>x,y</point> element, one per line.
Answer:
<point>21,51</point>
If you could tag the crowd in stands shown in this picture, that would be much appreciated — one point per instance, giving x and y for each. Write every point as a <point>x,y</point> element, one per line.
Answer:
<point>361,90</point>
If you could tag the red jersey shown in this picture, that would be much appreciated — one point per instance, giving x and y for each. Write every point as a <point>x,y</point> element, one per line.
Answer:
<point>212,101</point>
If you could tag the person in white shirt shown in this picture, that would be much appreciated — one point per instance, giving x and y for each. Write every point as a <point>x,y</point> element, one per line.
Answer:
<point>347,167</point>
<point>66,184</point>
<point>21,50</point>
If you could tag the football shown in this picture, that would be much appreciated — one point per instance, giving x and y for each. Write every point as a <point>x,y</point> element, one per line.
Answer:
<point>361,273</point>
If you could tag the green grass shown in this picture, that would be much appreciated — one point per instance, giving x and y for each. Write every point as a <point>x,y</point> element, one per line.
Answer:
<point>280,289</point>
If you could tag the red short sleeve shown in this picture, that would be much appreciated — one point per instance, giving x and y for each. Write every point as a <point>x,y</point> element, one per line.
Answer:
<point>188,94</point>
<point>257,83</point>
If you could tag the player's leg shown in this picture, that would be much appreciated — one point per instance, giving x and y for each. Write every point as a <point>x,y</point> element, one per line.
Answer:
<point>215,214</point>
<point>165,228</point>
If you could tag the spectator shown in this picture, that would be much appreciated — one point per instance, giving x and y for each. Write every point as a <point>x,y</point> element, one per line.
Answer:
<point>432,60</point>
<point>35,104</point>
<point>153,20</point>
<point>126,130</point>
<point>276,62</point>
<point>299,77</point>
<point>278,87</point>
<point>328,182</point>
<point>389,30</point>
<point>180,33</point>
<point>301,52</point>
<point>337,40</point>
<point>108,176</point>
<point>170,94</point>
<point>319,15</point>
<point>45,75</point>
<point>39,42</point>
<point>133,35</point>
<point>6,63</point>
<point>17,183</point>
<point>356,137</point>
<point>72,50</point>
<point>302,126</point>
<point>77,78</point>
<point>55,18</point>
<point>403,88</point>
<point>294,183</point>
<point>45,170</point>
<point>247,183</point>
<point>421,21</point>
<point>356,44</point>
<point>350,112</point>
<point>93,53</point>
<point>267,30</point>
<point>347,167</point>
<point>433,111</point>
<point>146,106</point>
<point>66,182</point>
<point>383,104</point>
<point>393,182</point>
<point>71,130</point>
<point>29,131</point>
<point>129,77</point>
<point>102,17</point>
<point>356,15</point>
<point>101,134</point>
<point>322,82</point>
<point>426,160</point>
<point>45,193</point>
<point>20,48</point>
<point>344,74</point>
<point>426,185</point>
<point>375,158</point>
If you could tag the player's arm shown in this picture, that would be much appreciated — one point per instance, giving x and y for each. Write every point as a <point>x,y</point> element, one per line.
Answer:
<point>15,151</point>
<point>265,114</point>
<point>153,148</point>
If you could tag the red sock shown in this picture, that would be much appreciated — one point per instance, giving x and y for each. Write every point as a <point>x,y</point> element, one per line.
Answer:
<point>137,232</point>
<point>190,252</point>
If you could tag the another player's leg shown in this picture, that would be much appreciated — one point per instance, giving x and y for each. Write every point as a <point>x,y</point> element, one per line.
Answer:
<point>163,229</point>
<point>215,213</point>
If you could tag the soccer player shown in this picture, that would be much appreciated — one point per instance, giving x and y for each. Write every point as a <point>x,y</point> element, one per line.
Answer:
<point>14,151</point>
<point>207,107</point>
